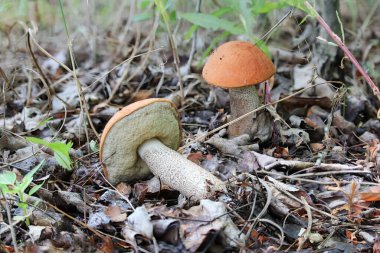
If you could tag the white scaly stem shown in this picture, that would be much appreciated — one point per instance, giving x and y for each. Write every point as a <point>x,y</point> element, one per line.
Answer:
<point>179,173</point>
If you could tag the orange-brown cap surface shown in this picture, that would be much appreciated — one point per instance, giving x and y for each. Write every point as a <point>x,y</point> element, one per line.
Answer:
<point>128,129</point>
<point>237,64</point>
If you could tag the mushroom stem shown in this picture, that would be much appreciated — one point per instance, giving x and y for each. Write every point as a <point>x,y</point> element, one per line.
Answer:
<point>242,101</point>
<point>177,172</point>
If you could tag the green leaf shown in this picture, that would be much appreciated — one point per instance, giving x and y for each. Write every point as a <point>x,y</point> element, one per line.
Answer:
<point>44,122</point>
<point>60,149</point>
<point>34,170</point>
<point>94,146</point>
<point>19,218</point>
<point>7,178</point>
<point>142,16</point>
<point>37,141</point>
<point>190,32</point>
<point>61,153</point>
<point>34,189</point>
<point>211,22</point>
<point>219,12</point>
<point>23,185</point>
<point>63,160</point>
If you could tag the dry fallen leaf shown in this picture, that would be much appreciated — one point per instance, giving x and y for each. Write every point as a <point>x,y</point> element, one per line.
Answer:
<point>372,194</point>
<point>115,213</point>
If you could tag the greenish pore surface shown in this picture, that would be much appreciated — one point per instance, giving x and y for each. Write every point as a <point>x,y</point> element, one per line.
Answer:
<point>158,120</point>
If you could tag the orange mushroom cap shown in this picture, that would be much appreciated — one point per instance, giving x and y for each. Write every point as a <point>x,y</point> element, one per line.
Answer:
<point>237,64</point>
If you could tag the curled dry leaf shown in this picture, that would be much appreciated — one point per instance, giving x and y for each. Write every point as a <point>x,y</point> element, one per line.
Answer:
<point>140,222</point>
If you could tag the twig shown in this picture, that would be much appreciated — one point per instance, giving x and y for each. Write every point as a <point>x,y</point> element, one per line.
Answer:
<point>44,79</point>
<point>116,191</point>
<point>4,91</point>
<point>126,70</point>
<point>277,24</point>
<point>173,46</point>
<point>194,40</point>
<point>281,176</point>
<point>249,218</point>
<point>306,234</point>
<point>11,228</point>
<point>300,201</point>
<point>327,173</point>
<point>82,100</point>
<point>278,227</point>
<point>345,49</point>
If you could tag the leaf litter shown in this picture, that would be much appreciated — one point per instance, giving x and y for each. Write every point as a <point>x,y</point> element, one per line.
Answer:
<point>313,187</point>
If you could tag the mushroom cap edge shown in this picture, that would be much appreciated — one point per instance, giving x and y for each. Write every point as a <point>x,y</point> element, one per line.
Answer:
<point>128,129</point>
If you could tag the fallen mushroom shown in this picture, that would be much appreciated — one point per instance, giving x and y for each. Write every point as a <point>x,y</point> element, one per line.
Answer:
<point>141,139</point>
<point>239,66</point>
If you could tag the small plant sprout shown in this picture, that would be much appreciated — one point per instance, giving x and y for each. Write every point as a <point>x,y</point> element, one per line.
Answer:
<point>11,187</point>
<point>60,149</point>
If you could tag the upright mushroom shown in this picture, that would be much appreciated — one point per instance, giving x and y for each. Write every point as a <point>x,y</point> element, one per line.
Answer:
<point>239,66</point>
<point>139,140</point>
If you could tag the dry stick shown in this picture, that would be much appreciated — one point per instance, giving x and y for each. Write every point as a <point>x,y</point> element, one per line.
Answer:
<point>124,33</point>
<point>5,89</point>
<point>126,71</point>
<point>48,54</point>
<point>117,191</point>
<point>82,100</point>
<point>278,227</point>
<point>348,53</point>
<point>300,201</point>
<point>331,172</point>
<point>249,217</point>
<point>281,176</point>
<point>116,66</point>
<point>276,25</point>
<point>194,40</point>
<point>142,64</point>
<point>173,47</point>
<point>44,79</point>
<point>266,206</point>
<point>306,234</point>
<point>11,228</point>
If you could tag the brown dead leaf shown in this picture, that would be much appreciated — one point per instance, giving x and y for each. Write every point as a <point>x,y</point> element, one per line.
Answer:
<point>115,213</point>
<point>195,157</point>
<point>341,123</point>
<point>124,189</point>
<point>281,152</point>
<point>351,237</point>
<point>316,147</point>
<point>372,150</point>
<point>141,94</point>
<point>376,245</point>
<point>373,194</point>
<point>311,123</point>
<point>107,245</point>
<point>352,198</point>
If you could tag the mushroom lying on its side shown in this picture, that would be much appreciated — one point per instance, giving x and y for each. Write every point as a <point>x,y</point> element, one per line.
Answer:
<point>141,138</point>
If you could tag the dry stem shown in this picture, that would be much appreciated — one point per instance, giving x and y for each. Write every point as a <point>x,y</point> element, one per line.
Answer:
<point>345,49</point>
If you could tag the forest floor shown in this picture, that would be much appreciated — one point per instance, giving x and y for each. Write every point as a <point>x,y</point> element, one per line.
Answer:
<point>309,183</point>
